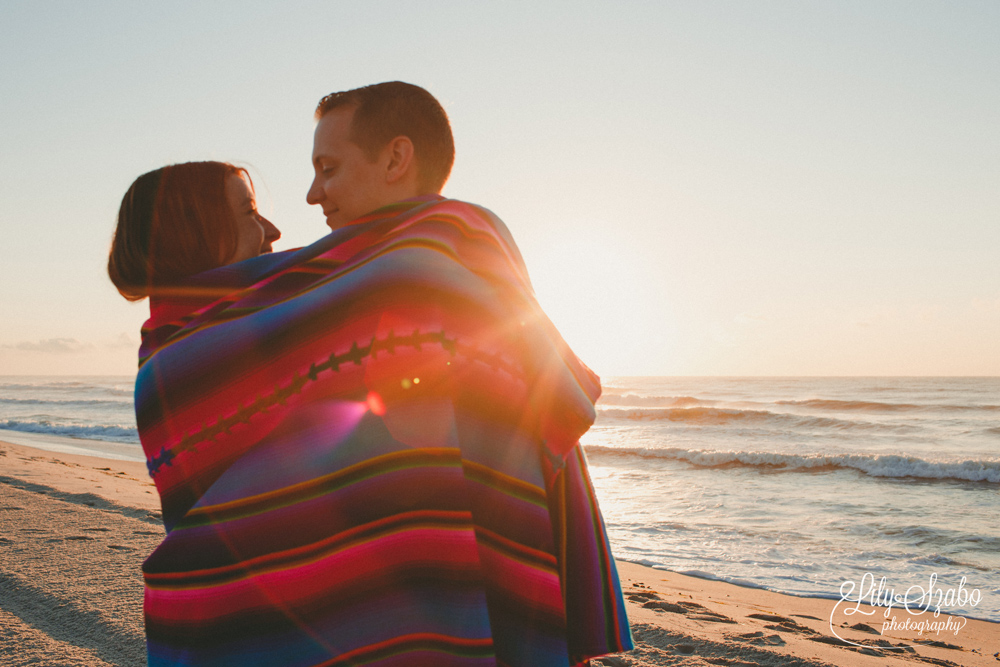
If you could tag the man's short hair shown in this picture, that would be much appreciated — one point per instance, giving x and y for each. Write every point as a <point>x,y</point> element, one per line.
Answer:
<point>384,111</point>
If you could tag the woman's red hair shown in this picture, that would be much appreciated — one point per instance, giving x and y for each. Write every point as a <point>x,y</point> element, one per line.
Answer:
<point>173,223</point>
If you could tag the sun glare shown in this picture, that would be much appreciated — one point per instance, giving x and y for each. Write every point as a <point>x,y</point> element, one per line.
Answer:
<point>594,287</point>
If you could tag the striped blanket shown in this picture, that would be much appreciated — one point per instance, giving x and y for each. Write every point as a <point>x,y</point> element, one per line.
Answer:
<point>367,454</point>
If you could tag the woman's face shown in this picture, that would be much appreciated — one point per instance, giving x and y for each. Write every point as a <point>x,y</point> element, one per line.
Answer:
<point>255,233</point>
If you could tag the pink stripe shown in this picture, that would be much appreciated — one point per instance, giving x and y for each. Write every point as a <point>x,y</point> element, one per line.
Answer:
<point>540,588</point>
<point>376,559</point>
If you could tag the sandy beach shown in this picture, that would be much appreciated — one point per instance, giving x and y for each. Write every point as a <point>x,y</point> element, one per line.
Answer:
<point>75,529</point>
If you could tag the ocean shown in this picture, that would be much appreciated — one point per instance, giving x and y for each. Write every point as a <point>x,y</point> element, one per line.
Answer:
<point>797,485</point>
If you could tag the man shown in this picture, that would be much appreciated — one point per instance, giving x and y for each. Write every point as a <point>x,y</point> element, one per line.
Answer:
<point>367,449</point>
<point>391,142</point>
<point>375,146</point>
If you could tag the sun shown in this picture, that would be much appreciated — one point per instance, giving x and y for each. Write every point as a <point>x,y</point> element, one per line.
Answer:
<point>599,292</point>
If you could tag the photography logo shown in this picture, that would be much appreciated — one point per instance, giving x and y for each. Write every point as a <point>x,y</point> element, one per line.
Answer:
<point>907,611</point>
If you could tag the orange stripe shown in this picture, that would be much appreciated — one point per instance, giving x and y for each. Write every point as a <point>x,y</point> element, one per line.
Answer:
<point>398,645</point>
<point>522,489</point>
<point>373,463</point>
<point>517,551</point>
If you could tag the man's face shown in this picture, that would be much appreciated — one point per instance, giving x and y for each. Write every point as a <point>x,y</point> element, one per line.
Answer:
<point>347,185</point>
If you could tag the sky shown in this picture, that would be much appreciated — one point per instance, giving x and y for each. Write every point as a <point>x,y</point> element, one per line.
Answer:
<point>698,188</point>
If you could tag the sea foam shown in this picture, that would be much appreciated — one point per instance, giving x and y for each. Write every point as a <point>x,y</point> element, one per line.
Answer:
<point>109,432</point>
<point>886,465</point>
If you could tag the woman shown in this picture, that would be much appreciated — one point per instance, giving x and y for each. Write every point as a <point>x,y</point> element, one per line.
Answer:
<point>366,449</point>
<point>181,220</point>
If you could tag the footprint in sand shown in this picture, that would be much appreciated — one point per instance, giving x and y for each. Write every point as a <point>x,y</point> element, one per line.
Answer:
<point>690,609</point>
<point>774,618</point>
<point>760,639</point>
<point>873,646</point>
<point>120,547</point>
<point>832,641</point>
<point>146,532</point>
<point>78,537</point>
<point>712,617</point>
<point>609,661</point>
<point>641,596</point>
<point>665,606</point>
<point>865,628</point>
<point>702,613</point>
<point>792,627</point>
<point>784,624</point>
<point>97,530</point>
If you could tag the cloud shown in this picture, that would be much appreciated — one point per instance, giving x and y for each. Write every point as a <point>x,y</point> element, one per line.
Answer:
<point>52,346</point>
<point>123,341</point>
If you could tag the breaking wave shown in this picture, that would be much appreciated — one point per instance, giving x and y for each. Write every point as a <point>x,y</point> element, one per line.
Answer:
<point>65,403</point>
<point>653,401</point>
<point>109,432</point>
<point>872,465</point>
<point>875,406</point>
<point>825,404</point>
<point>72,387</point>
<point>708,416</point>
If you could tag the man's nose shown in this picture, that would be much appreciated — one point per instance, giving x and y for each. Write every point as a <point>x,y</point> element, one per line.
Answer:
<point>315,193</point>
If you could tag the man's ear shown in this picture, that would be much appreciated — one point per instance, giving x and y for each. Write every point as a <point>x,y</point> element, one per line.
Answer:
<point>401,163</point>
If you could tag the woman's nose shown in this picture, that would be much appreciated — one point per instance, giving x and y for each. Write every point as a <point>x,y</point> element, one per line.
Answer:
<point>271,233</point>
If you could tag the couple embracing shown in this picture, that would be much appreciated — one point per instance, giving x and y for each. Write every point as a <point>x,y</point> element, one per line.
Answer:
<point>366,449</point>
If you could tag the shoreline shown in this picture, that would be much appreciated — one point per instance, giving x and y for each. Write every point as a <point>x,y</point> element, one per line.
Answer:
<point>74,529</point>
<point>66,445</point>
